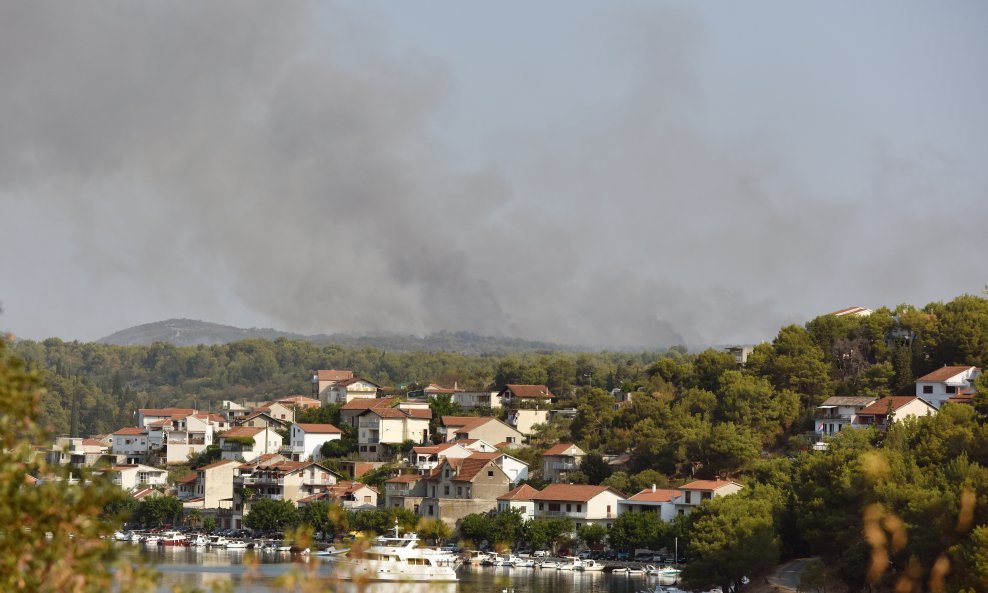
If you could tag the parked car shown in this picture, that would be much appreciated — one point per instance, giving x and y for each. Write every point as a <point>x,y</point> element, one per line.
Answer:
<point>540,554</point>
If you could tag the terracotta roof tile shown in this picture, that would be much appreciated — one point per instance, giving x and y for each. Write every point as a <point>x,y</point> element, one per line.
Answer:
<point>217,464</point>
<point>334,375</point>
<point>531,391</point>
<point>319,428</point>
<point>944,373</point>
<point>561,448</point>
<point>571,492</point>
<point>131,430</point>
<point>707,484</point>
<point>405,478</point>
<point>657,495</point>
<point>881,406</point>
<point>523,492</point>
<point>241,431</point>
<point>366,403</point>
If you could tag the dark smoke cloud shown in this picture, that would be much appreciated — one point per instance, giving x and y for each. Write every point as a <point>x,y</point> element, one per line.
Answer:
<point>275,163</point>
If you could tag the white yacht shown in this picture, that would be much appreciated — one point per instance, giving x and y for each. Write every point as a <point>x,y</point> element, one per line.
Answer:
<point>395,558</point>
<point>590,566</point>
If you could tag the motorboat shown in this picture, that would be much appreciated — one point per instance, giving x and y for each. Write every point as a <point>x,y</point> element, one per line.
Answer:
<point>217,541</point>
<point>236,544</point>
<point>548,564</point>
<point>476,557</point>
<point>151,539</point>
<point>172,538</point>
<point>525,563</point>
<point>506,560</point>
<point>395,557</point>
<point>570,563</point>
<point>199,541</point>
<point>120,536</point>
<point>590,566</point>
<point>667,575</point>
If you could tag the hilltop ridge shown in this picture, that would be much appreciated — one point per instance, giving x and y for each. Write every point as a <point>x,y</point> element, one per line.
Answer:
<point>191,332</point>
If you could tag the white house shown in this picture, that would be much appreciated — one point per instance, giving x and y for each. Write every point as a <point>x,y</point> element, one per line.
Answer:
<point>944,383</point>
<point>244,442</point>
<point>346,391</point>
<point>488,429</point>
<point>694,493</point>
<point>838,413</point>
<point>211,486</point>
<point>652,500</point>
<point>132,443</point>
<point>307,439</point>
<point>520,498</point>
<point>381,430</point>
<point>427,457</point>
<point>582,503</point>
<point>134,475</point>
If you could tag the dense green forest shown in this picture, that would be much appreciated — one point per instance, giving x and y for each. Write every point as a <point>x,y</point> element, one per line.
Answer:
<point>903,510</point>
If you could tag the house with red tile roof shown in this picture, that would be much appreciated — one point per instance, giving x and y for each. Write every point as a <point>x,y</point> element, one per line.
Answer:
<point>517,395</point>
<point>306,440</point>
<point>942,384</point>
<point>324,379</point>
<point>79,452</point>
<point>697,491</point>
<point>521,498</point>
<point>583,503</point>
<point>133,476</point>
<point>559,460</point>
<point>382,431</point>
<point>895,407</point>
<point>355,407</point>
<point>348,390</point>
<point>485,428</point>
<point>652,500</point>
<point>460,487</point>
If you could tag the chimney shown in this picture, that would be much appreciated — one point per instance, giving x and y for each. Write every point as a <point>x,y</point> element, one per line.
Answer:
<point>653,487</point>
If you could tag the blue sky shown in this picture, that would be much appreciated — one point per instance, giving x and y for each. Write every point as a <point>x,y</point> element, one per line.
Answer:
<point>625,174</point>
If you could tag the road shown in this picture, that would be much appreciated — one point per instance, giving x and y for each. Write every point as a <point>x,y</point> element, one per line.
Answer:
<point>787,575</point>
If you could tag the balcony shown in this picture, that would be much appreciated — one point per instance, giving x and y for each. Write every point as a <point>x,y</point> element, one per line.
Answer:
<point>564,466</point>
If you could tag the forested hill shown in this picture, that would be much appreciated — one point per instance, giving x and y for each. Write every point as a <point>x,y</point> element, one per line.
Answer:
<point>191,332</point>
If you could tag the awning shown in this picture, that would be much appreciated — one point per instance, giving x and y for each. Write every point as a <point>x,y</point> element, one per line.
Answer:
<point>826,407</point>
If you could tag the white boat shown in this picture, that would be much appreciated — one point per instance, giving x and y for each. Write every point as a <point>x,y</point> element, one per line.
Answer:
<point>120,536</point>
<point>630,570</point>
<point>570,563</point>
<point>525,563</point>
<point>151,540</point>
<point>199,541</point>
<point>548,564</point>
<point>395,558</point>
<point>217,541</point>
<point>236,544</point>
<point>591,566</point>
<point>667,575</point>
<point>506,560</point>
<point>172,538</point>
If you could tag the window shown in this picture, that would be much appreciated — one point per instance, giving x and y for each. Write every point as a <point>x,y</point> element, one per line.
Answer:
<point>367,499</point>
<point>579,508</point>
<point>510,440</point>
<point>706,495</point>
<point>446,473</point>
<point>373,448</point>
<point>927,389</point>
<point>490,473</point>
<point>431,512</point>
<point>569,508</point>
<point>951,389</point>
<point>541,507</point>
<point>416,510</point>
<point>459,491</point>
<point>689,497</point>
<point>682,512</point>
<point>446,490</point>
<point>553,507</point>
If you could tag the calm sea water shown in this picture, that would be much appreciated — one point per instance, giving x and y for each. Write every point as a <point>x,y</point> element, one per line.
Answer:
<point>250,572</point>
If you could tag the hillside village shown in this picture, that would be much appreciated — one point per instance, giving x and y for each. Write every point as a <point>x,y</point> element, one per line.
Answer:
<point>464,468</point>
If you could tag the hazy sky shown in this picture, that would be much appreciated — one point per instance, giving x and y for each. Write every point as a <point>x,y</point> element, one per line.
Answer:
<point>609,174</point>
